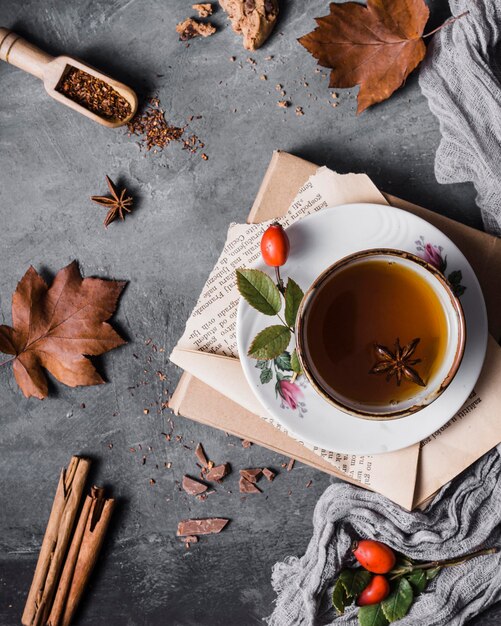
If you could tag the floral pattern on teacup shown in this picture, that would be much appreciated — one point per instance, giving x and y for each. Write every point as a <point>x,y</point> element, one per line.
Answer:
<point>288,388</point>
<point>434,255</point>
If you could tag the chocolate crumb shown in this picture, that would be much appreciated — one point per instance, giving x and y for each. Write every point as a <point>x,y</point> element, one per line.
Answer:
<point>205,157</point>
<point>152,481</point>
<point>193,487</point>
<point>206,526</point>
<point>246,443</point>
<point>263,77</point>
<point>309,483</point>
<point>252,475</point>
<point>218,472</point>
<point>233,59</point>
<point>146,411</point>
<point>246,486</point>
<point>290,465</point>
<point>201,456</point>
<point>269,474</point>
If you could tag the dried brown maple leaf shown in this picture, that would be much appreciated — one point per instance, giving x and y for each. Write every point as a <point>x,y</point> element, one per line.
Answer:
<point>375,47</point>
<point>55,327</point>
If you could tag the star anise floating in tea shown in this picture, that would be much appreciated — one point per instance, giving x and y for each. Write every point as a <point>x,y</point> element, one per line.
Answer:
<point>116,205</point>
<point>398,362</point>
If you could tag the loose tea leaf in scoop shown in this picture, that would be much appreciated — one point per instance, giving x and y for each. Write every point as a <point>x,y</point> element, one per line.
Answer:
<point>94,94</point>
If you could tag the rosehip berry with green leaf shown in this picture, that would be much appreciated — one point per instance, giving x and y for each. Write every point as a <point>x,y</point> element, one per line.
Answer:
<point>376,591</point>
<point>275,245</point>
<point>375,556</point>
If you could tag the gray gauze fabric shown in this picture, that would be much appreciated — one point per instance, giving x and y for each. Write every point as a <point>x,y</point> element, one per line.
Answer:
<point>460,76</point>
<point>463,517</point>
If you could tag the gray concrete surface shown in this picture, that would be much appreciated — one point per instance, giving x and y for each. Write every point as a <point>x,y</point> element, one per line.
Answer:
<point>51,161</point>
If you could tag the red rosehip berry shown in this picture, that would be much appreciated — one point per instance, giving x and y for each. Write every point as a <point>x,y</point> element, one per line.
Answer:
<point>375,556</point>
<point>376,591</point>
<point>275,246</point>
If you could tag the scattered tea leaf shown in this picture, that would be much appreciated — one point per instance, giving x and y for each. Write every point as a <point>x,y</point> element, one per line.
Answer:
<point>293,296</point>
<point>283,362</point>
<point>398,603</point>
<point>259,291</point>
<point>375,47</point>
<point>418,580</point>
<point>295,364</point>
<point>372,615</point>
<point>270,342</point>
<point>339,597</point>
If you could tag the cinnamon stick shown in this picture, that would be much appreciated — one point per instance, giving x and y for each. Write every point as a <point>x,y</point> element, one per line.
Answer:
<point>55,542</point>
<point>82,556</point>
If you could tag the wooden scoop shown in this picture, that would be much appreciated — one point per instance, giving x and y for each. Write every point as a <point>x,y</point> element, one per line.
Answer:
<point>52,70</point>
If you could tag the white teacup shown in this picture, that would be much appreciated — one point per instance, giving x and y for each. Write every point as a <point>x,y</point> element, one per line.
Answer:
<point>443,373</point>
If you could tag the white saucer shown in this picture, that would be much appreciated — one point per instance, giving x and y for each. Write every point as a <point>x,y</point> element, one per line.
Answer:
<point>318,241</point>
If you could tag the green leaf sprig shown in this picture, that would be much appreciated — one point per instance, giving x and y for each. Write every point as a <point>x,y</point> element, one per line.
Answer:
<point>259,290</point>
<point>408,579</point>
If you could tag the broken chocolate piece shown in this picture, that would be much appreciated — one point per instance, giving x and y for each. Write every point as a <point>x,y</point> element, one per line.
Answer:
<point>254,19</point>
<point>204,10</point>
<point>252,475</point>
<point>193,487</point>
<point>246,443</point>
<point>290,465</point>
<point>191,28</point>
<point>218,473</point>
<point>201,456</point>
<point>208,526</point>
<point>269,474</point>
<point>247,487</point>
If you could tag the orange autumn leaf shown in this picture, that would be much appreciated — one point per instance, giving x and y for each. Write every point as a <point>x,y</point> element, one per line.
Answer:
<point>57,327</point>
<point>375,47</point>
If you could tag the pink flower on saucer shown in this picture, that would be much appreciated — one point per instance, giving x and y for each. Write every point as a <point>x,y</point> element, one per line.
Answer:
<point>290,392</point>
<point>433,256</point>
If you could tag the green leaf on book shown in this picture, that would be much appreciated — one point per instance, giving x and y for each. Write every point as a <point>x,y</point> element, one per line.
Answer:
<point>259,291</point>
<point>372,615</point>
<point>398,603</point>
<point>293,296</point>
<point>270,343</point>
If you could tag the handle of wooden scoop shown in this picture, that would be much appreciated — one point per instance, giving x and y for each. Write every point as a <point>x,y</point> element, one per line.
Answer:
<point>24,55</point>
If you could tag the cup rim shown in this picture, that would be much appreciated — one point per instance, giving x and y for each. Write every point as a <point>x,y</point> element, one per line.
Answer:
<point>460,345</point>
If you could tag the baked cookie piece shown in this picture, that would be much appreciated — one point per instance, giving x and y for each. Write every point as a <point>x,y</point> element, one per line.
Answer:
<point>204,10</point>
<point>191,28</point>
<point>254,19</point>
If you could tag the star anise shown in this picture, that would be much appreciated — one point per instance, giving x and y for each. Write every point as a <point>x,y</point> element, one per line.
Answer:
<point>116,205</point>
<point>398,363</point>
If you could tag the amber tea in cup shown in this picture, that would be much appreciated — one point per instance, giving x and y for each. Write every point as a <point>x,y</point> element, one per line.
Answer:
<point>380,334</point>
